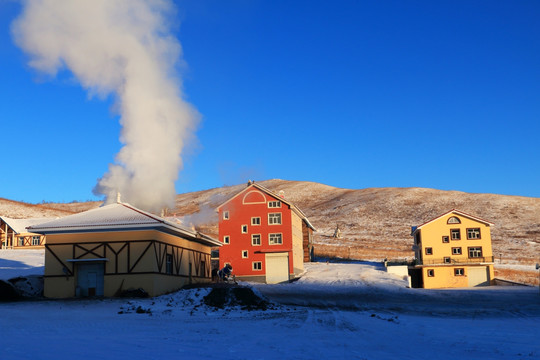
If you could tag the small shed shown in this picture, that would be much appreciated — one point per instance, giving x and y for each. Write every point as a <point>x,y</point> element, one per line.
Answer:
<point>117,248</point>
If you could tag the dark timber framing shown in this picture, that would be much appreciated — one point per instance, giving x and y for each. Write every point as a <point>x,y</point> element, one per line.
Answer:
<point>101,249</point>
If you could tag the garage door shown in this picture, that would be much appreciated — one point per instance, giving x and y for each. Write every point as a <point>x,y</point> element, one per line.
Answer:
<point>478,276</point>
<point>90,279</point>
<point>277,268</point>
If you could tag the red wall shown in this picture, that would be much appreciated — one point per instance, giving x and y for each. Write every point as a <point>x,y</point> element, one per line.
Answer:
<point>241,209</point>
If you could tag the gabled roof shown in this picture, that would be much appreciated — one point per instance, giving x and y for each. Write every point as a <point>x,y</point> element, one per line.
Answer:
<point>117,217</point>
<point>457,212</point>
<point>277,197</point>
<point>20,225</point>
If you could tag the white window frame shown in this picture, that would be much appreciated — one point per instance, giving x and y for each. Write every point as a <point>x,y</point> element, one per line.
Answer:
<point>226,239</point>
<point>273,217</point>
<point>253,242</point>
<point>457,253</point>
<point>459,272</point>
<point>256,266</point>
<point>256,220</point>
<point>431,271</point>
<point>244,229</point>
<point>274,204</point>
<point>226,215</point>
<point>34,238</point>
<point>21,241</point>
<point>275,235</point>
<point>245,254</point>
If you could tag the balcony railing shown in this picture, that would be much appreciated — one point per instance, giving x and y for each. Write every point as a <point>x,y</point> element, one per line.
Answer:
<point>443,261</point>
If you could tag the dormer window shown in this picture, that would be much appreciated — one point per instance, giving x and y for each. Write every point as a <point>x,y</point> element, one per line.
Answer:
<point>454,220</point>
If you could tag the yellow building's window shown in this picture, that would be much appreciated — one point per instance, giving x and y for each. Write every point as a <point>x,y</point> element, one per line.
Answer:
<point>456,251</point>
<point>429,251</point>
<point>475,252</point>
<point>445,239</point>
<point>459,272</point>
<point>454,220</point>
<point>455,234</point>
<point>473,233</point>
<point>431,273</point>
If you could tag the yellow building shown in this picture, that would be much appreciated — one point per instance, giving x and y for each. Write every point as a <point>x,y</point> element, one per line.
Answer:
<point>453,250</point>
<point>13,233</point>
<point>106,251</point>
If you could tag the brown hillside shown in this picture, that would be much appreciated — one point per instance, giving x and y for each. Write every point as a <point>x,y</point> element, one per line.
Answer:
<point>375,223</point>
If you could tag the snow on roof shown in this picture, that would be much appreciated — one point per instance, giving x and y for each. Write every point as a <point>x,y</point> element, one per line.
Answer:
<point>114,217</point>
<point>20,225</point>
<point>277,197</point>
<point>457,212</point>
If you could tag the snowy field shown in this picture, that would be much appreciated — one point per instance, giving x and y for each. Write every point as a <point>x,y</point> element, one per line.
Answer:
<point>336,311</point>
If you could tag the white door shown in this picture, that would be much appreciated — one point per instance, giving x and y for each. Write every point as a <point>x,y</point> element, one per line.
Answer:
<point>277,268</point>
<point>478,276</point>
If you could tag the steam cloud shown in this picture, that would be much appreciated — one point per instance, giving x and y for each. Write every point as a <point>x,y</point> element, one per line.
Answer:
<point>124,48</point>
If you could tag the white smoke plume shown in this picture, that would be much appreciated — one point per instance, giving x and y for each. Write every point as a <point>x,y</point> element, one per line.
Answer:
<point>124,48</point>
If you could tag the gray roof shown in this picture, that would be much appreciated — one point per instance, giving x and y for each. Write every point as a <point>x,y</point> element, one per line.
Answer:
<point>20,225</point>
<point>116,217</point>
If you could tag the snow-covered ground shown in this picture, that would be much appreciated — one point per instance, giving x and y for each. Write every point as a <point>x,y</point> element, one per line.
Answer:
<point>345,311</point>
<point>24,262</point>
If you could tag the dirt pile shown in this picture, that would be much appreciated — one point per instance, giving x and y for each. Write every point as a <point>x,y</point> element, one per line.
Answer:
<point>244,297</point>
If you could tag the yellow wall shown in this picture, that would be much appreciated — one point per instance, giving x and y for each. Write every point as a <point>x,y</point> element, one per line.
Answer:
<point>58,285</point>
<point>445,278</point>
<point>431,236</point>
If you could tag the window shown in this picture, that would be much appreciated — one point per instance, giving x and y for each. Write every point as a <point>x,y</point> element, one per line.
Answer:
<point>473,233</point>
<point>454,220</point>
<point>225,215</point>
<point>455,234</point>
<point>431,273</point>
<point>475,252</point>
<point>447,260</point>
<point>244,254</point>
<point>257,265</point>
<point>226,239</point>
<point>274,204</point>
<point>459,272</point>
<point>255,221</point>
<point>203,269</point>
<point>168,267</point>
<point>445,239</point>
<point>429,251</point>
<point>274,218</point>
<point>21,241</point>
<point>256,239</point>
<point>244,229</point>
<point>275,239</point>
<point>35,240</point>
<point>456,251</point>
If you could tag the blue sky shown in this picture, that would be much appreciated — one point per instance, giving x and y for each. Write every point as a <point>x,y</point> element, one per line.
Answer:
<point>352,94</point>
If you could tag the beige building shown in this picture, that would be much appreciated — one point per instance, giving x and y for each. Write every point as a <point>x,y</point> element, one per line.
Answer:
<point>453,250</point>
<point>105,251</point>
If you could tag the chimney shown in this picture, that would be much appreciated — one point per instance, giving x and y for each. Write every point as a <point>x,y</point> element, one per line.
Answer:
<point>118,197</point>
<point>281,194</point>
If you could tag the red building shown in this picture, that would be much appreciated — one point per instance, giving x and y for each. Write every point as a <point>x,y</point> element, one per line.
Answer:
<point>265,237</point>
